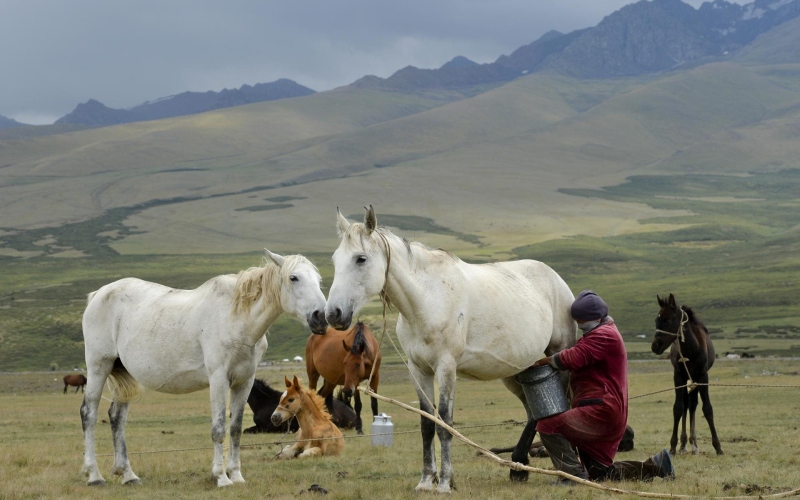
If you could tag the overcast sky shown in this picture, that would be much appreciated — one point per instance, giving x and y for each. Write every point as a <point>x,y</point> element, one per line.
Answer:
<point>58,53</point>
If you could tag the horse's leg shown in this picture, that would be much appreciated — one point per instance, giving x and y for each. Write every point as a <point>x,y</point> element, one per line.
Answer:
<point>98,372</point>
<point>446,377</point>
<point>523,446</point>
<point>373,385</point>
<point>708,413</point>
<point>311,452</point>
<point>327,389</point>
<point>218,385</point>
<point>516,389</point>
<point>677,413</point>
<point>424,388</point>
<point>77,388</point>
<point>118,416</point>
<point>684,435</point>
<point>693,427</point>
<point>65,387</point>
<point>238,400</point>
<point>357,408</point>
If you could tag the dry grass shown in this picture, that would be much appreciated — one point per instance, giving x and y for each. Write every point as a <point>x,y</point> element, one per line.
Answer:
<point>41,434</point>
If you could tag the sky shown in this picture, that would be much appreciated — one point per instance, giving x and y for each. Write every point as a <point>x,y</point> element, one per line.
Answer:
<point>58,53</point>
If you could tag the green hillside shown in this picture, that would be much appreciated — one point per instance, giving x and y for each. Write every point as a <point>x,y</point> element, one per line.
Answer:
<point>683,182</point>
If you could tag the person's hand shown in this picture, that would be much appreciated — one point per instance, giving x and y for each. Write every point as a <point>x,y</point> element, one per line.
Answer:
<point>543,361</point>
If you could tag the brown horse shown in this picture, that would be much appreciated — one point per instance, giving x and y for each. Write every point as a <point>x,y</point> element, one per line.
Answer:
<point>77,381</point>
<point>692,355</point>
<point>340,363</point>
<point>317,434</point>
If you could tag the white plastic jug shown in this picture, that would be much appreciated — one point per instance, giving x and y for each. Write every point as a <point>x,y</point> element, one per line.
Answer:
<point>382,430</point>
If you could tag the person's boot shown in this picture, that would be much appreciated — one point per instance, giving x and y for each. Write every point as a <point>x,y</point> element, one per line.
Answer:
<point>663,461</point>
<point>563,457</point>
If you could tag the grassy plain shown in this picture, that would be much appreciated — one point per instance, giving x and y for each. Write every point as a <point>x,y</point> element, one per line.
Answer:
<point>42,442</point>
<point>735,260</point>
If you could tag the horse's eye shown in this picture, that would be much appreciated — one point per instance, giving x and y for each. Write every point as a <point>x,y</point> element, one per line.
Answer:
<point>293,278</point>
<point>361,259</point>
<point>291,400</point>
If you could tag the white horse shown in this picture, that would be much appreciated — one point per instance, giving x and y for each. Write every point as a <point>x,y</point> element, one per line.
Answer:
<point>481,322</point>
<point>180,341</point>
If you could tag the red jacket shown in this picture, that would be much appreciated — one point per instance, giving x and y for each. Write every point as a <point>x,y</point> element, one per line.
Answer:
<point>599,382</point>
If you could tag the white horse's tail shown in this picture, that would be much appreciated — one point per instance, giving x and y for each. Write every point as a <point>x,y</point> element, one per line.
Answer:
<point>124,388</point>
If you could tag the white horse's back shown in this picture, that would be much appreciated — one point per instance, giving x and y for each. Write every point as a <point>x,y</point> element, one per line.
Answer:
<point>149,325</point>
<point>506,315</point>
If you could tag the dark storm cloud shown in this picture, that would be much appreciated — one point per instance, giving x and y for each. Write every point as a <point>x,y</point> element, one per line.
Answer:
<point>57,53</point>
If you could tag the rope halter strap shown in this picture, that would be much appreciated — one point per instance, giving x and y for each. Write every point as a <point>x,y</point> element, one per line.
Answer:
<point>679,338</point>
<point>294,413</point>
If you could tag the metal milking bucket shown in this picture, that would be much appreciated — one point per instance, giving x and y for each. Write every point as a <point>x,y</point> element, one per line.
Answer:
<point>382,430</point>
<point>543,390</point>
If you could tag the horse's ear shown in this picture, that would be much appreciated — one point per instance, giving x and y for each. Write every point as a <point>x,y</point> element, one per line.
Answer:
<point>288,383</point>
<point>345,346</point>
<point>277,259</point>
<point>660,301</point>
<point>295,382</point>
<point>370,220</point>
<point>672,301</point>
<point>341,223</point>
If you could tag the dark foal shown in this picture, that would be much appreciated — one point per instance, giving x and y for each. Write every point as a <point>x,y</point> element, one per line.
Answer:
<point>692,355</point>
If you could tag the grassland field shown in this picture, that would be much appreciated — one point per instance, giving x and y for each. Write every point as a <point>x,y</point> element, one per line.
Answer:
<point>168,441</point>
<point>735,259</point>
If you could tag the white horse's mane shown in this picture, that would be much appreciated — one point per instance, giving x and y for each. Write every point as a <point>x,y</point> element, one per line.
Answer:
<point>354,236</point>
<point>264,282</point>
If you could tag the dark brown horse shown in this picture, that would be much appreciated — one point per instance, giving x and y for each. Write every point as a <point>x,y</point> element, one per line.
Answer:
<point>77,381</point>
<point>263,400</point>
<point>692,355</point>
<point>344,358</point>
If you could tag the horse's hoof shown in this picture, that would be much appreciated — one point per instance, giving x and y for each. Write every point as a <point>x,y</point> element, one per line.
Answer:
<point>426,486</point>
<point>133,482</point>
<point>98,482</point>
<point>223,481</point>
<point>519,476</point>
<point>720,452</point>
<point>236,477</point>
<point>360,432</point>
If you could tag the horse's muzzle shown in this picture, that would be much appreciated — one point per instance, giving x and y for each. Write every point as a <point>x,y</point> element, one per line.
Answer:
<point>658,348</point>
<point>339,320</point>
<point>317,322</point>
<point>276,418</point>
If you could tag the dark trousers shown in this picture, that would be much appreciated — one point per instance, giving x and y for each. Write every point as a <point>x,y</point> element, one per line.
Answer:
<point>618,471</point>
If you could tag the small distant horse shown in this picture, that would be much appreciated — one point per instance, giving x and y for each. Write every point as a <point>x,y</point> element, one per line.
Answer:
<point>263,400</point>
<point>77,381</point>
<point>346,365</point>
<point>476,321</point>
<point>317,435</point>
<point>181,341</point>
<point>692,355</point>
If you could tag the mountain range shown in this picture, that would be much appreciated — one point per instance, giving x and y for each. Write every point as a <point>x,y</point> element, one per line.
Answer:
<point>95,113</point>
<point>646,37</point>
